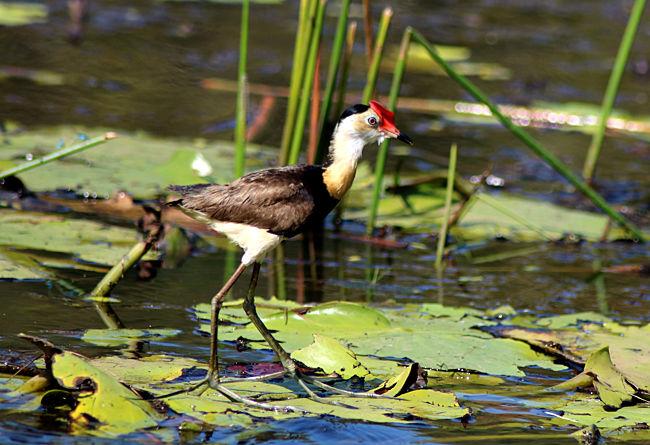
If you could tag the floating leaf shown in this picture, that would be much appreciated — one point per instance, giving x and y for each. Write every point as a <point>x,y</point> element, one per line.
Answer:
<point>118,337</point>
<point>137,163</point>
<point>22,13</point>
<point>609,382</point>
<point>566,320</point>
<point>103,399</point>
<point>329,355</point>
<point>88,241</point>
<point>153,368</point>
<point>399,384</point>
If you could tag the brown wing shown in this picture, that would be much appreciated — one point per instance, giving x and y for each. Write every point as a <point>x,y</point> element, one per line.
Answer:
<point>283,200</point>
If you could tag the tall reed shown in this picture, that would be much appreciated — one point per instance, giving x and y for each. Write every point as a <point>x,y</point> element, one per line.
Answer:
<point>310,69</point>
<point>612,88</point>
<point>240,125</point>
<point>550,159</point>
<point>380,165</point>
<point>303,36</point>
<point>330,84</point>
<point>371,79</point>
<point>444,227</point>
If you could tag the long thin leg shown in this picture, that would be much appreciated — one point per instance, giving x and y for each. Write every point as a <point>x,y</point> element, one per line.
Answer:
<point>217,301</point>
<point>249,307</point>
<point>287,362</point>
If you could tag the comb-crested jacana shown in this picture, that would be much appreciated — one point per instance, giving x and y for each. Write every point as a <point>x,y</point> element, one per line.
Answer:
<point>260,209</point>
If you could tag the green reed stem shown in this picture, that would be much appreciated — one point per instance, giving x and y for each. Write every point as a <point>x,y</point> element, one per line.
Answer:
<point>57,155</point>
<point>113,276</point>
<point>612,89</point>
<point>240,125</point>
<point>380,165</point>
<point>301,118</point>
<point>335,61</point>
<point>551,159</point>
<point>371,79</point>
<point>345,69</point>
<point>303,36</point>
<point>442,235</point>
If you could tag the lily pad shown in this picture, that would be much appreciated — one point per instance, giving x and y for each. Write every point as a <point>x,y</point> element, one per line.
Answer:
<point>103,399</point>
<point>439,343</point>
<point>329,355</point>
<point>136,163</point>
<point>118,337</point>
<point>22,13</point>
<point>87,241</point>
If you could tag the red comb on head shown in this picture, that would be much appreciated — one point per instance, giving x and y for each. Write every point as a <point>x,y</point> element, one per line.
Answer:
<point>387,116</point>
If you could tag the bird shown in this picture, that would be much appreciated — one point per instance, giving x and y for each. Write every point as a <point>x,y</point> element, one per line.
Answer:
<point>264,207</point>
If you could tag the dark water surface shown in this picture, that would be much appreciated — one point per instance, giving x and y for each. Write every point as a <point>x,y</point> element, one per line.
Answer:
<point>139,66</point>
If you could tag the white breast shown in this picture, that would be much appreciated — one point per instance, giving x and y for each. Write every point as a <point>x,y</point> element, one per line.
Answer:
<point>256,242</point>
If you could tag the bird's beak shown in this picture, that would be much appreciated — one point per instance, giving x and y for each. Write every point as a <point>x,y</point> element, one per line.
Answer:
<point>404,138</point>
<point>391,131</point>
<point>396,134</point>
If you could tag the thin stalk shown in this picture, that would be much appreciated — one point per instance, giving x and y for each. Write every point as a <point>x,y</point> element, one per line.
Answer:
<point>240,125</point>
<point>487,199</point>
<point>551,159</point>
<point>612,89</point>
<point>301,117</point>
<point>398,74</point>
<point>280,275</point>
<point>367,24</point>
<point>57,155</point>
<point>371,79</point>
<point>303,36</point>
<point>113,276</point>
<point>442,235</point>
<point>335,61</point>
<point>314,135</point>
<point>345,68</point>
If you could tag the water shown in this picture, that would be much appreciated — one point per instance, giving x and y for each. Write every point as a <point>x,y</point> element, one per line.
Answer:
<point>140,66</point>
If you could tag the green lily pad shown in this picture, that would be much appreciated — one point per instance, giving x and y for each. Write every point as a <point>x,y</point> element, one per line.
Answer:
<point>329,355</point>
<point>118,337</point>
<point>117,409</point>
<point>136,163</point>
<point>19,267</point>
<point>22,13</point>
<point>439,343</point>
<point>154,368</point>
<point>609,382</point>
<point>87,241</point>
<point>567,320</point>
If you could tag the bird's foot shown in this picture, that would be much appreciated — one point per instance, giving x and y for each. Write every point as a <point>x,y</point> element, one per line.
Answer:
<point>213,382</point>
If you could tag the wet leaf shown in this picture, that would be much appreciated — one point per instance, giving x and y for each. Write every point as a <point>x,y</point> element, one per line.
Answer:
<point>135,162</point>
<point>399,384</point>
<point>329,355</point>
<point>435,342</point>
<point>87,241</point>
<point>19,267</point>
<point>152,369</point>
<point>609,382</point>
<point>22,13</point>
<point>453,313</point>
<point>567,320</point>
<point>337,317</point>
<point>103,402</point>
<point>591,411</point>
<point>118,337</point>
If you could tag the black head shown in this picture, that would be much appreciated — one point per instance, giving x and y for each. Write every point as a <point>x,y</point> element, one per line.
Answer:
<point>354,109</point>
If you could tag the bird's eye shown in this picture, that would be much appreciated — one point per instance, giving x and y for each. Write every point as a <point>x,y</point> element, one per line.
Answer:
<point>372,121</point>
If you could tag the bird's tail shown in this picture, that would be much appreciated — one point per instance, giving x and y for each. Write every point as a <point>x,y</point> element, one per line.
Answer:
<point>185,191</point>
